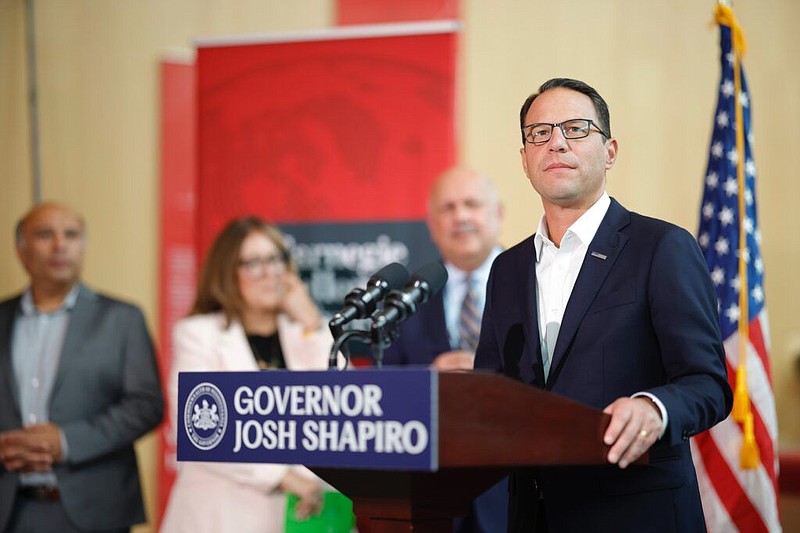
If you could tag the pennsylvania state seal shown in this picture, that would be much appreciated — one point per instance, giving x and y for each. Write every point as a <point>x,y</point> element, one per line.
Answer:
<point>205,416</point>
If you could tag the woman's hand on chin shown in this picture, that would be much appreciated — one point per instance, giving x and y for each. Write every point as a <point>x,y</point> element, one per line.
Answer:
<point>297,303</point>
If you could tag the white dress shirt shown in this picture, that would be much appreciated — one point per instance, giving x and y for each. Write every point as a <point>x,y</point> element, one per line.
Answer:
<point>37,342</point>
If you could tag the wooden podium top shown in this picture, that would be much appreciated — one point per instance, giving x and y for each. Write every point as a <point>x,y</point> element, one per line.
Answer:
<point>489,420</point>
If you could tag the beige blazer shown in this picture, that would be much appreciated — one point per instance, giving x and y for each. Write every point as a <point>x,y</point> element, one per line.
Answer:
<point>232,497</point>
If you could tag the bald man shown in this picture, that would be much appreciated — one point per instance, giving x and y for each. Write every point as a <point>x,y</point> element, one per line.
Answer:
<point>464,219</point>
<point>78,385</point>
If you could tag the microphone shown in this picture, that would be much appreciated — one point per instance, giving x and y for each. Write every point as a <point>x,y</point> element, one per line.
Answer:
<point>399,305</point>
<point>361,303</point>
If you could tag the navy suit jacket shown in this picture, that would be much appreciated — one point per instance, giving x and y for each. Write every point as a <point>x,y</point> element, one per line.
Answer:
<point>422,337</point>
<point>106,394</point>
<point>642,317</point>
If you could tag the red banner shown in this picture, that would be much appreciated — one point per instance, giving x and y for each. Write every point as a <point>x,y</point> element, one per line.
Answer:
<point>177,255</point>
<point>347,125</point>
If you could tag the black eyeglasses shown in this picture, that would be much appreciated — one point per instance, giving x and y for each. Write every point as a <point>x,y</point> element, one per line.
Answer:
<point>539,133</point>
<point>256,266</point>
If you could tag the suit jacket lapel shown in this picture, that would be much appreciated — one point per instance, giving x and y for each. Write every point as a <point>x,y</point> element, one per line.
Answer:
<point>523,333</point>
<point>531,322</point>
<point>432,318</point>
<point>80,324</point>
<point>234,349</point>
<point>8,388</point>
<point>608,242</point>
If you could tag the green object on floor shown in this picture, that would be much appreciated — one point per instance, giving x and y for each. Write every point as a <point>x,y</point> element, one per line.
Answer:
<point>336,516</point>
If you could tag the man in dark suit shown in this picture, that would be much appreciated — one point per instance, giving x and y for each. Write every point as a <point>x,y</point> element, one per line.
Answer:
<point>78,385</point>
<point>615,310</point>
<point>464,219</point>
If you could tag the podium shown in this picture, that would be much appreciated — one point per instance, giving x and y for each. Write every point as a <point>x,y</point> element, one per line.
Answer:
<point>475,428</point>
<point>487,424</point>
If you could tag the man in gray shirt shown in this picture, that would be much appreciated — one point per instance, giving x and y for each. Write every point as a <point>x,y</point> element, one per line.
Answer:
<point>78,385</point>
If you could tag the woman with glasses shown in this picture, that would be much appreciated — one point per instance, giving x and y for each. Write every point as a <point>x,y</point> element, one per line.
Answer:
<point>251,311</point>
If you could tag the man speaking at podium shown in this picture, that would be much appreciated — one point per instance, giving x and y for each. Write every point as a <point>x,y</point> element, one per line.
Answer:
<point>614,310</point>
<point>464,219</point>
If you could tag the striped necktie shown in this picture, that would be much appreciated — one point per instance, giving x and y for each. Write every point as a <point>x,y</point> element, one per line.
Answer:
<point>469,320</point>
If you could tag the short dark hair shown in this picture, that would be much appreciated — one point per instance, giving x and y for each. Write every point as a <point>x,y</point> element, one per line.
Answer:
<point>600,106</point>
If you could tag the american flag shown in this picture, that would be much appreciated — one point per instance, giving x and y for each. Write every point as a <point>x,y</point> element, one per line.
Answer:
<point>737,496</point>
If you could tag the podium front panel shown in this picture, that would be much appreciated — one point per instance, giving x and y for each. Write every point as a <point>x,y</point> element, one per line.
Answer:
<point>365,419</point>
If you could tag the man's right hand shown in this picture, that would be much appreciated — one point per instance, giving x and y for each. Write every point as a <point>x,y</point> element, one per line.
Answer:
<point>23,451</point>
<point>455,360</point>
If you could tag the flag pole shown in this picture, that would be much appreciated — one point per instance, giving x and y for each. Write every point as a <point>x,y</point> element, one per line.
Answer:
<point>742,412</point>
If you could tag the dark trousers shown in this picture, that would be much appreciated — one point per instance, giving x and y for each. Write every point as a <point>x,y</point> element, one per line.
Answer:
<point>526,508</point>
<point>32,515</point>
<point>488,513</point>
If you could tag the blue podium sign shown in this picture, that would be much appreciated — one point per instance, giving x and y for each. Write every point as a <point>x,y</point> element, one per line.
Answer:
<point>374,419</point>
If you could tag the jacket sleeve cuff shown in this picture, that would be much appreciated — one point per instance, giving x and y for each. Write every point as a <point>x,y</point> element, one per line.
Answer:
<point>64,447</point>
<point>661,409</point>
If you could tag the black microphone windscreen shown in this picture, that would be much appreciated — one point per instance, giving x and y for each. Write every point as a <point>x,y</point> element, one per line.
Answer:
<point>435,274</point>
<point>394,274</point>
